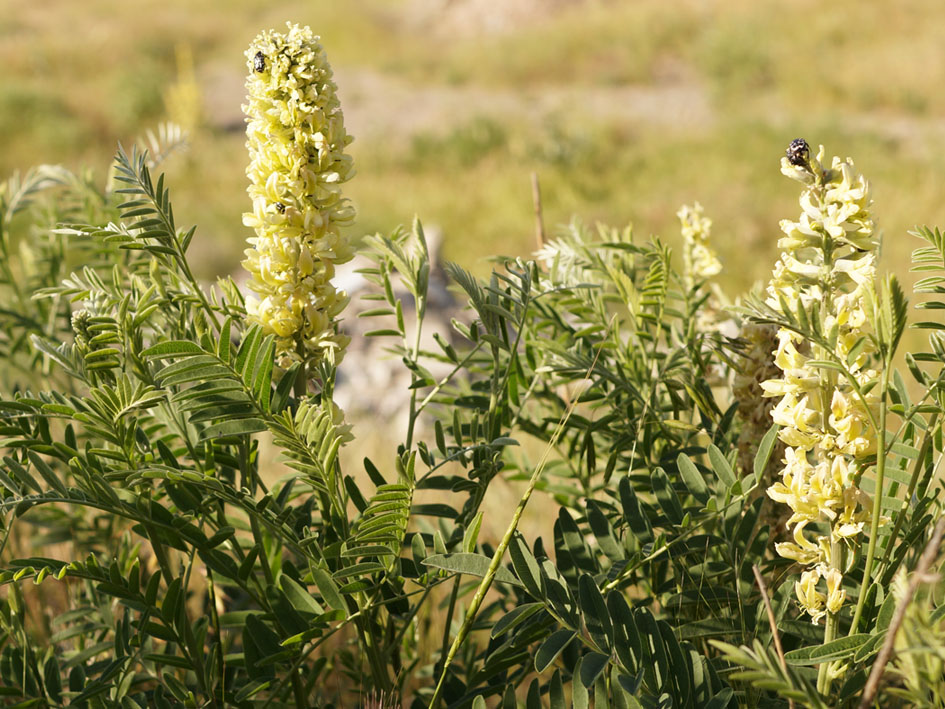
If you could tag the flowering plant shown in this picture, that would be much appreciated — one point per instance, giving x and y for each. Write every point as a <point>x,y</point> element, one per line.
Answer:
<point>152,552</point>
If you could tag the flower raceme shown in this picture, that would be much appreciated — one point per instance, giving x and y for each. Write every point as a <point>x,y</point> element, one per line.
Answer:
<point>827,267</point>
<point>296,140</point>
<point>700,261</point>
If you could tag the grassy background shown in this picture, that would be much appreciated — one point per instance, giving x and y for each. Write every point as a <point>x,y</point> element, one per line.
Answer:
<point>625,109</point>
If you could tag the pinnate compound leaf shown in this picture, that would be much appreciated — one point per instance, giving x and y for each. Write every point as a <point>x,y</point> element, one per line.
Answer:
<point>174,348</point>
<point>722,467</point>
<point>471,564</point>
<point>552,646</point>
<point>526,566</point>
<point>834,650</point>
<point>596,617</point>
<point>592,664</point>
<point>692,477</point>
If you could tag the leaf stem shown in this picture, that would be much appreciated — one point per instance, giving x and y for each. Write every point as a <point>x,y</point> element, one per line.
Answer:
<point>449,620</point>
<point>877,501</point>
<point>913,481</point>
<point>486,582</point>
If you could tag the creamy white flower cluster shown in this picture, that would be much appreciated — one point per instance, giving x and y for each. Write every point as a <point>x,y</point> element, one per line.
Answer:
<point>296,140</point>
<point>828,259</point>
<point>699,259</point>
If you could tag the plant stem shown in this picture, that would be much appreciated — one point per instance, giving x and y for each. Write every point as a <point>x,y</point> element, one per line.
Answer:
<point>298,691</point>
<point>420,302</point>
<point>823,672</point>
<point>913,481</point>
<point>772,623</point>
<point>877,501</point>
<point>215,619</point>
<point>449,619</point>
<point>486,582</point>
<point>363,625</point>
<point>248,475</point>
<point>198,291</point>
<point>300,387</point>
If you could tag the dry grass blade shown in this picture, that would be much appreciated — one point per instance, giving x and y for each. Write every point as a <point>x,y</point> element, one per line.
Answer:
<point>771,622</point>
<point>920,575</point>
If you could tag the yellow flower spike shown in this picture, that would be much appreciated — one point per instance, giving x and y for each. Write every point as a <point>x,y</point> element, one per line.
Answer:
<point>827,259</point>
<point>296,140</point>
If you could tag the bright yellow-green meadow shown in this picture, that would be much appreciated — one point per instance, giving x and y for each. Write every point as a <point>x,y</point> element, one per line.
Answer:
<point>624,109</point>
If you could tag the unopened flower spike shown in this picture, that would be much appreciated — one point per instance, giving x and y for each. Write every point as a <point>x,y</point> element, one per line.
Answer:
<point>296,139</point>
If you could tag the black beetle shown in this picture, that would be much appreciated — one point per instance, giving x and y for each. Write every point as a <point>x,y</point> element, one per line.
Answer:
<point>798,152</point>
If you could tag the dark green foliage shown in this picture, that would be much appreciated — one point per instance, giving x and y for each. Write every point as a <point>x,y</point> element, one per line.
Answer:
<point>169,569</point>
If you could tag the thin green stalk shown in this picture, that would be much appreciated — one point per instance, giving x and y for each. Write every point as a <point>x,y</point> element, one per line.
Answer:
<point>486,582</point>
<point>300,386</point>
<point>833,623</point>
<point>877,500</point>
<point>420,302</point>
<point>405,625</point>
<point>913,481</point>
<point>444,648</point>
<point>363,625</point>
<point>446,379</point>
<point>298,691</point>
<point>198,291</point>
<point>215,619</point>
<point>249,476</point>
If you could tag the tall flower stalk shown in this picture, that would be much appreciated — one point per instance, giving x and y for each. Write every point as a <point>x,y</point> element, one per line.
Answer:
<point>296,141</point>
<point>823,292</point>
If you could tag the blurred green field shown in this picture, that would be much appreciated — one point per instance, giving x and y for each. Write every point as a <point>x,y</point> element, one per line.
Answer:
<point>624,109</point>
